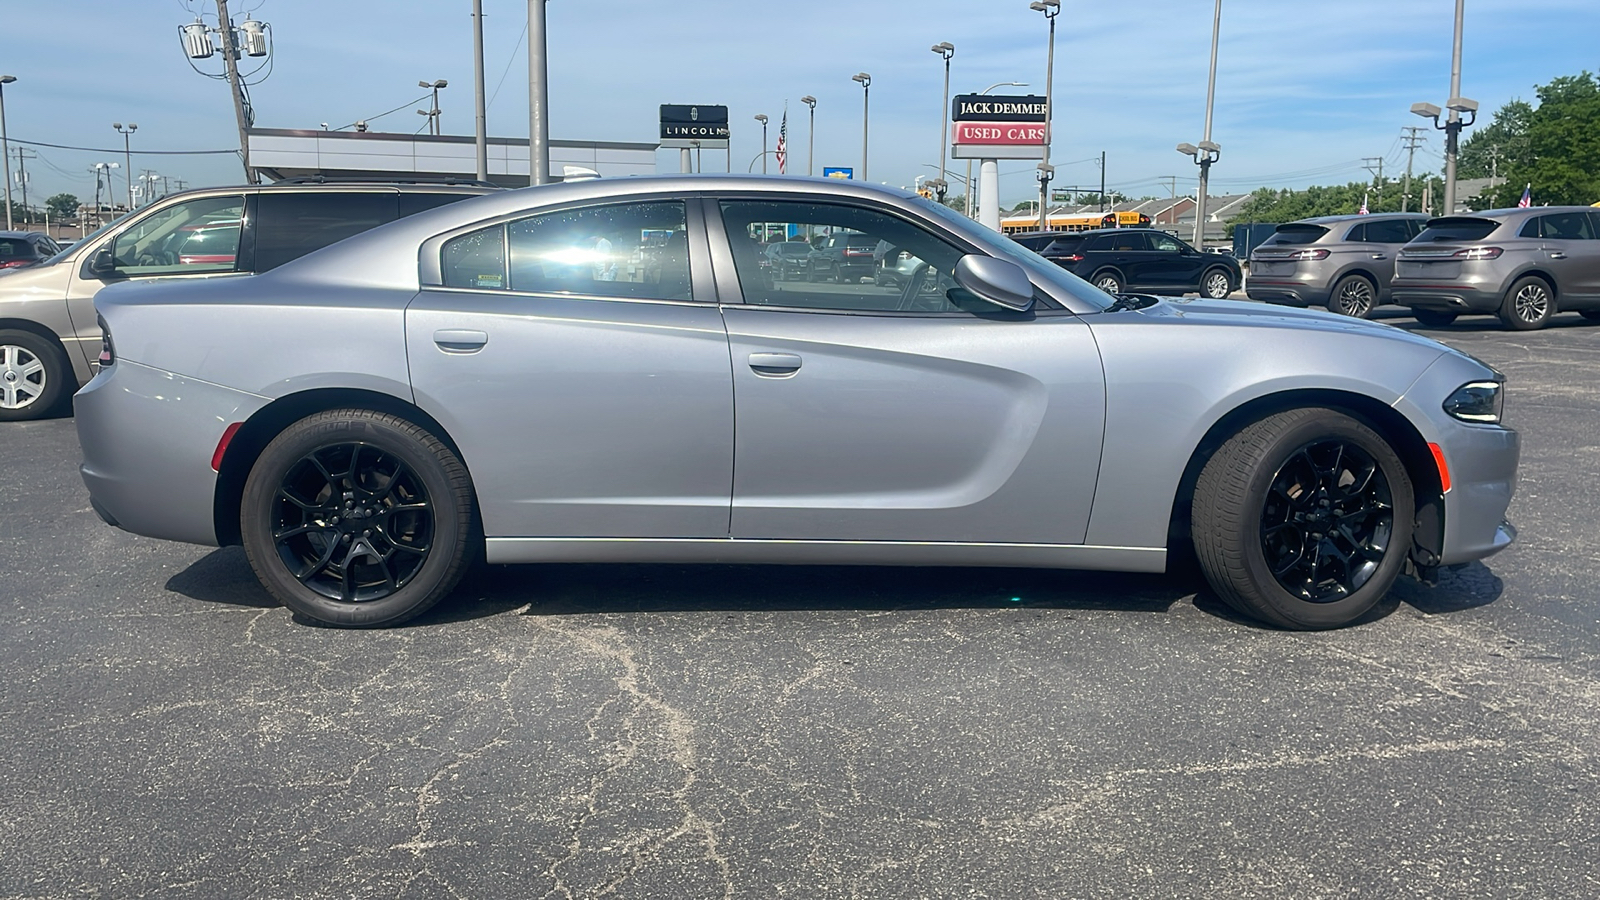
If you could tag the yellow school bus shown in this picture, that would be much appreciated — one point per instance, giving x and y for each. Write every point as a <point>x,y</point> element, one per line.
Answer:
<point>1075,222</point>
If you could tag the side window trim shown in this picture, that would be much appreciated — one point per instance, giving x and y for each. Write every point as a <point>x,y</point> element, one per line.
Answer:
<point>245,259</point>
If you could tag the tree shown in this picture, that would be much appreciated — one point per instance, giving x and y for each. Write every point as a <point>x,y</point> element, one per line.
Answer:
<point>1563,135</point>
<point>1499,147</point>
<point>62,206</point>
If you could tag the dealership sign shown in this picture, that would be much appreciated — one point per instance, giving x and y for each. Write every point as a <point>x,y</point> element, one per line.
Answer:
<point>694,126</point>
<point>998,127</point>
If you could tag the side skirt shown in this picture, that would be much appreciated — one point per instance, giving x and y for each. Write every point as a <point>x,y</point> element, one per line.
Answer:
<point>838,553</point>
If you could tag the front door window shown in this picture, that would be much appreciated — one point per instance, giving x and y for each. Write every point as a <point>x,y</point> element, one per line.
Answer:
<point>193,237</point>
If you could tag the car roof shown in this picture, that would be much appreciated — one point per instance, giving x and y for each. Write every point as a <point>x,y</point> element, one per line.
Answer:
<point>21,234</point>
<point>1512,211</point>
<point>1355,217</point>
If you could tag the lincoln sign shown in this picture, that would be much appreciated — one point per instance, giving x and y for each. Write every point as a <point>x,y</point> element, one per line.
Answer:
<point>997,127</point>
<point>694,126</point>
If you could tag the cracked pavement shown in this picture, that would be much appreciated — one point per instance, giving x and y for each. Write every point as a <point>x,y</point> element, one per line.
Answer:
<point>748,731</point>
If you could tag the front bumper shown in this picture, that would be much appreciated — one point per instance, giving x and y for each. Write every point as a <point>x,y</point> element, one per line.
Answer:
<point>147,438</point>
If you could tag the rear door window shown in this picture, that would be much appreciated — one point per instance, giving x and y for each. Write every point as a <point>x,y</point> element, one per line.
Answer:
<point>413,202</point>
<point>1569,226</point>
<point>290,225</point>
<point>1393,231</point>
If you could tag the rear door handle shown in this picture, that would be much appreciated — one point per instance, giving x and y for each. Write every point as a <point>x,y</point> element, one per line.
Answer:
<point>1379,256</point>
<point>1557,254</point>
<point>460,340</point>
<point>774,365</point>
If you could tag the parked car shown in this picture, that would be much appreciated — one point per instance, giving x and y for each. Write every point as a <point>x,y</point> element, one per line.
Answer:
<point>1345,263</point>
<point>789,259</point>
<point>842,257</point>
<point>1142,260</point>
<point>47,310</point>
<point>1523,265</point>
<point>466,382</point>
<point>20,249</point>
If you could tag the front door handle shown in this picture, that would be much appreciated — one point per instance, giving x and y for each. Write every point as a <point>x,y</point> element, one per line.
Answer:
<point>1557,254</point>
<point>1380,256</point>
<point>774,365</point>
<point>460,340</point>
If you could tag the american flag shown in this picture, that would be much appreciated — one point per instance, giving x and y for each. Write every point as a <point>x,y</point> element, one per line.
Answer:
<point>1527,197</point>
<point>783,141</point>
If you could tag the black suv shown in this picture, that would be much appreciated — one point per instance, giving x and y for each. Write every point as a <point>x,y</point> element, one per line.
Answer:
<point>47,309</point>
<point>843,256</point>
<point>1137,260</point>
<point>20,249</point>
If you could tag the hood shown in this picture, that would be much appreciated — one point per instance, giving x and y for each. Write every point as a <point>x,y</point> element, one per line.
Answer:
<point>1251,314</point>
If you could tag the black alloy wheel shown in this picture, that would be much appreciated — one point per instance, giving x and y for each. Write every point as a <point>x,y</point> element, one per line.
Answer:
<point>357,518</point>
<point>1303,519</point>
<point>1354,296</point>
<point>1328,521</point>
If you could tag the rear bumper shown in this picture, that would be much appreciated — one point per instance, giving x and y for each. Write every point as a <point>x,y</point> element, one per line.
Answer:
<point>1456,298</point>
<point>147,438</point>
<point>1286,291</point>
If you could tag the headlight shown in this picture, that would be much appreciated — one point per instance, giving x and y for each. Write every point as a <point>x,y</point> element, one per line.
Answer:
<point>1478,401</point>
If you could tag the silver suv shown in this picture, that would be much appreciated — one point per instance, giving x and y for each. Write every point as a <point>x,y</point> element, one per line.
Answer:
<point>1523,265</point>
<point>1342,262</point>
<point>49,335</point>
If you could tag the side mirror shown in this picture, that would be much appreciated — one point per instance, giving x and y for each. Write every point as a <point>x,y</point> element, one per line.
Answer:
<point>101,264</point>
<point>1002,283</point>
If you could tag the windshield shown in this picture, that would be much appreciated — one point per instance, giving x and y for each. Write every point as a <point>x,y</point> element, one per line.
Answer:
<point>83,241</point>
<point>1035,264</point>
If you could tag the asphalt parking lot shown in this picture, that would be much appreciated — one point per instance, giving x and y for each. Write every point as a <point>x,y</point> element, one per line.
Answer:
<point>680,731</point>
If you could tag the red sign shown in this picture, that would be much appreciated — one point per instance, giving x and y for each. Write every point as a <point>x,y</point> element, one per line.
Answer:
<point>1005,133</point>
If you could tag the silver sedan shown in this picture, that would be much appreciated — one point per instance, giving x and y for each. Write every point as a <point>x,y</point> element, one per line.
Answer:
<point>604,371</point>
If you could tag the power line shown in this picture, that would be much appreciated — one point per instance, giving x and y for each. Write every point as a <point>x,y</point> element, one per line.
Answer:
<point>119,149</point>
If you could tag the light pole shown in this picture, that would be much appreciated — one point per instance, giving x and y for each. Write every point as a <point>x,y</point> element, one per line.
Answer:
<point>1207,152</point>
<point>1457,105</point>
<point>865,81</point>
<point>811,134</point>
<point>433,108</point>
<point>538,96</point>
<point>479,110</point>
<point>946,50</point>
<point>5,145</point>
<point>127,155</point>
<point>1051,9</point>
<point>762,118</point>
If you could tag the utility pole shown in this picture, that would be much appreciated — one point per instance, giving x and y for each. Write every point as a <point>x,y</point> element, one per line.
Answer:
<point>1102,181</point>
<point>1374,164</point>
<point>481,140</point>
<point>22,175</point>
<point>1413,139</point>
<point>1172,185</point>
<point>230,60</point>
<point>1494,167</point>
<point>538,96</point>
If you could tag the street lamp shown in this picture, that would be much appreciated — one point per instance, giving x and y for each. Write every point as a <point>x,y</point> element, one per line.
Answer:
<point>1457,105</point>
<point>127,155</point>
<point>762,118</point>
<point>433,109</point>
<point>946,50</point>
<point>5,145</point>
<point>865,81</point>
<point>1208,152</point>
<point>811,151</point>
<point>1051,9</point>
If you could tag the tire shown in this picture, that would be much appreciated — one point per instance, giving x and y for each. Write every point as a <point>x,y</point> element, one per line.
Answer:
<point>1354,296</point>
<point>1433,318</point>
<point>406,502</point>
<point>1255,511</point>
<point>35,376</point>
<point>1216,284</point>
<point>1110,282</point>
<point>1528,305</point>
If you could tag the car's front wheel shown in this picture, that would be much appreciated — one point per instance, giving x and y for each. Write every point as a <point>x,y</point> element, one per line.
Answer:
<point>34,375</point>
<point>1528,305</point>
<point>1354,296</point>
<point>1216,285</point>
<point>1303,519</point>
<point>357,518</point>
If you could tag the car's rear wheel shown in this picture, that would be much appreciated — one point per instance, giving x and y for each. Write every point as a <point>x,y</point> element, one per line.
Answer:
<point>35,375</point>
<point>1303,519</point>
<point>1110,282</point>
<point>1528,305</point>
<point>1216,285</point>
<point>1354,296</point>
<point>357,518</point>
<point>1433,318</point>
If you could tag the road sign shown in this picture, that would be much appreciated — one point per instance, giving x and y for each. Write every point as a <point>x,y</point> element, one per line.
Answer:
<point>838,172</point>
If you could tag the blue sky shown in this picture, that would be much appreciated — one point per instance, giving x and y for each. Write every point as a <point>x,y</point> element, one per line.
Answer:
<point>1305,88</point>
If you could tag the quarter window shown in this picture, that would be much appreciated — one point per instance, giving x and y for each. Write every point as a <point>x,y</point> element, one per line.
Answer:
<point>635,250</point>
<point>193,237</point>
<point>869,261</point>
